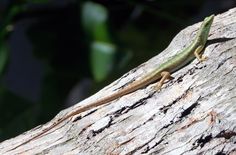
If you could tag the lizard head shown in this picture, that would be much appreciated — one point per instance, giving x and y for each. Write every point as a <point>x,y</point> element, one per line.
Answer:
<point>208,21</point>
<point>205,28</point>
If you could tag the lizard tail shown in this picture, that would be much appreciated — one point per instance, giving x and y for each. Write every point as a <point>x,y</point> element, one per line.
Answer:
<point>41,133</point>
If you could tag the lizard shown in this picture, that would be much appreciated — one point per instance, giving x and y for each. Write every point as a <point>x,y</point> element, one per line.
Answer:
<point>162,73</point>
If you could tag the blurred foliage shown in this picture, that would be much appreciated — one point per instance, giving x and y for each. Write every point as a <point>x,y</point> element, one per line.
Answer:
<point>102,50</point>
<point>3,56</point>
<point>5,28</point>
<point>16,116</point>
<point>98,40</point>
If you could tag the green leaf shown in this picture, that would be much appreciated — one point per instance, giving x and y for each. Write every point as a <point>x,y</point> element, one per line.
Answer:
<point>102,49</point>
<point>94,18</point>
<point>102,55</point>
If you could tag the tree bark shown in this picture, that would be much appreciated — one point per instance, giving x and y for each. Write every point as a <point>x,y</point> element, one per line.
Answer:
<point>194,113</point>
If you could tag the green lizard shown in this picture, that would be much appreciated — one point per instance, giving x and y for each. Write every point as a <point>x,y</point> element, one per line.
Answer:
<point>162,72</point>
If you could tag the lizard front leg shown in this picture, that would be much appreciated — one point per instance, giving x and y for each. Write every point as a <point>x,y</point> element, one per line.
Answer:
<point>198,55</point>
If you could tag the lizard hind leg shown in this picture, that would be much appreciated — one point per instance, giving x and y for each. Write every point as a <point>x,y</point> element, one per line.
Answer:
<point>198,55</point>
<point>164,76</point>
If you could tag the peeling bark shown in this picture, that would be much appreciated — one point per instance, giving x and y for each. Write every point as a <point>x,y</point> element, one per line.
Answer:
<point>193,114</point>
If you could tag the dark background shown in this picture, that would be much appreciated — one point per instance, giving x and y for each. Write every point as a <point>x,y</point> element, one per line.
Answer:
<point>54,53</point>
